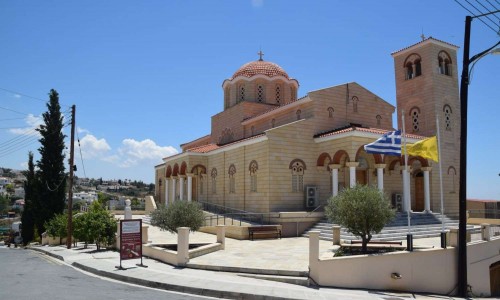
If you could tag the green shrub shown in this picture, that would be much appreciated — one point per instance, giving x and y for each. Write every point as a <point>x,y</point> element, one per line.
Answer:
<point>57,226</point>
<point>178,214</point>
<point>95,226</point>
<point>362,210</point>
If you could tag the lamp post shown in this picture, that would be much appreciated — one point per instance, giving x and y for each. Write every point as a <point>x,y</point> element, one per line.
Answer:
<point>462,196</point>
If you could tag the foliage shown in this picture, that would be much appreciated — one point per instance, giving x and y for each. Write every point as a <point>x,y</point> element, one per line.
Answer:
<point>103,198</point>
<point>28,216</point>
<point>135,202</point>
<point>51,173</point>
<point>10,188</point>
<point>363,210</point>
<point>4,204</point>
<point>57,226</point>
<point>95,226</point>
<point>178,214</point>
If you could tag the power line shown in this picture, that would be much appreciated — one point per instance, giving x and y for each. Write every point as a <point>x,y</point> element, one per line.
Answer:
<point>487,10</point>
<point>14,111</point>
<point>28,96</point>
<point>474,15</point>
<point>81,156</point>
<point>11,119</point>
<point>494,7</point>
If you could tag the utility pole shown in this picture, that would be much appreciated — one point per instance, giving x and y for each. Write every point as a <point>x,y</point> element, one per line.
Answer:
<point>462,194</point>
<point>71,169</point>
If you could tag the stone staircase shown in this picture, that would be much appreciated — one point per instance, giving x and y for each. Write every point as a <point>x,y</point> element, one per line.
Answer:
<point>423,225</point>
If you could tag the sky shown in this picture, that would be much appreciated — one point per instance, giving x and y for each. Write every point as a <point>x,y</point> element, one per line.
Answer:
<point>146,76</point>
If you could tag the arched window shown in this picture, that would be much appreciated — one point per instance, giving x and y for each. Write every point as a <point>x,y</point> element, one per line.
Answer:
<point>213,174</point>
<point>453,173</point>
<point>297,167</point>
<point>447,117</point>
<point>241,92</point>
<point>355,103</point>
<point>414,115</point>
<point>253,175</point>
<point>379,119</point>
<point>298,112</point>
<point>260,93</point>
<point>444,61</point>
<point>413,67</point>
<point>278,94</point>
<point>231,172</point>
<point>330,112</point>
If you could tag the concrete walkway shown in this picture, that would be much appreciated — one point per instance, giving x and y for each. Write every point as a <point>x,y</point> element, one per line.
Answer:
<point>287,256</point>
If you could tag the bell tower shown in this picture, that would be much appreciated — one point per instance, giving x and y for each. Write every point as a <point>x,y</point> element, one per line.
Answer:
<point>427,89</point>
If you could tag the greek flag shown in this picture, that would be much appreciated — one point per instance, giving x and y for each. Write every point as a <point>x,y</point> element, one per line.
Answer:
<point>388,144</point>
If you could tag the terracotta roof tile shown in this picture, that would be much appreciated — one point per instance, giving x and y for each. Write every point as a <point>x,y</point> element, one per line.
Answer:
<point>429,38</point>
<point>260,67</point>
<point>362,129</point>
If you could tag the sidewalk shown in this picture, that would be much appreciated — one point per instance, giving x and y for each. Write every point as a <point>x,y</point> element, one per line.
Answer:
<point>286,256</point>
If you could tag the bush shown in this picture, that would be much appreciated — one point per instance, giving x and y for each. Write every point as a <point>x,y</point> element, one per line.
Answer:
<point>57,226</point>
<point>362,210</point>
<point>95,226</point>
<point>178,214</point>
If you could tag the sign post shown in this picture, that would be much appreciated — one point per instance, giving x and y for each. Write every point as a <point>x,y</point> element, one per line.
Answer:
<point>130,241</point>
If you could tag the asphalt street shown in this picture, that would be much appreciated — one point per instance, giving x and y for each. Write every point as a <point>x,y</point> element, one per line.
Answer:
<point>26,274</point>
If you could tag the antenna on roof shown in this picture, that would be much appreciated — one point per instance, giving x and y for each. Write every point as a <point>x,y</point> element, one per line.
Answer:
<point>422,35</point>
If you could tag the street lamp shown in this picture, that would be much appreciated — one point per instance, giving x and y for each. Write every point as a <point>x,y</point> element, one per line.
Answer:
<point>462,196</point>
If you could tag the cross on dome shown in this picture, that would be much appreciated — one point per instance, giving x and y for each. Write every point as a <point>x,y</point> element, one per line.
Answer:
<point>260,53</point>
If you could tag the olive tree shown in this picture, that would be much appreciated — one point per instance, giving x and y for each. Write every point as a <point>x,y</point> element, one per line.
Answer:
<point>362,210</point>
<point>178,214</point>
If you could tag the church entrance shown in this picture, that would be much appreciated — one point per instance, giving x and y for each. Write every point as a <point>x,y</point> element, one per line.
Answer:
<point>495,279</point>
<point>361,177</point>
<point>419,192</point>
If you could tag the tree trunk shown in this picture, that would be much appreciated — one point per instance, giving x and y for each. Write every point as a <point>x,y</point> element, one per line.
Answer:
<point>364,244</point>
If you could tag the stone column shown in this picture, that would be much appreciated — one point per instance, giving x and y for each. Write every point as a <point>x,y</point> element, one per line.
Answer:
<point>336,234</point>
<point>174,184</point>
<point>380,176</point>
<point>182,246</point>
<point>335,179</point>
<point>352,172</point>
<point>427,193</point>
<point>485,232</point>
<point>128,210</point>
<point>221,235</point>
<point>181,187</point>
<point>167,182</point>
<point>190,187</point>
<point>313,248</point>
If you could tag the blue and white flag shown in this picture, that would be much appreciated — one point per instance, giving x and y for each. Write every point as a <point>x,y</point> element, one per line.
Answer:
<point>388,144</point>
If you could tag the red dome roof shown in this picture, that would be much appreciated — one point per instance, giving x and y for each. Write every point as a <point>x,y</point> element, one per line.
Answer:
<point>260,67</point>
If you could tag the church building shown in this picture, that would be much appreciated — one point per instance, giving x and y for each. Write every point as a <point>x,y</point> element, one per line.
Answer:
<point>270,151</point>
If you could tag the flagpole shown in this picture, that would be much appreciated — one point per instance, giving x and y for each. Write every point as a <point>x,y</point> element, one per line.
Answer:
<point>409,237</point>
<point>443,233</point>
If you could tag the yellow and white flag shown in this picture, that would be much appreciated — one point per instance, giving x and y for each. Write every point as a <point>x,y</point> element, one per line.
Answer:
<point>427,148</point>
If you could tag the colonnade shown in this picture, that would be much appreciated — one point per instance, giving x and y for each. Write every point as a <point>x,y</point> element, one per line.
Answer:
<point>380,182</point>
<point>175,190</point>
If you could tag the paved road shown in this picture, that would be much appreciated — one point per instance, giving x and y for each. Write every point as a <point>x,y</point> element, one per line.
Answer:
<point>26,274</point>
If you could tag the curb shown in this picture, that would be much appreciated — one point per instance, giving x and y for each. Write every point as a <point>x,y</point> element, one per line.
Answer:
<point>59,257</point>
<point>248,270</point>
<point>175,287</point>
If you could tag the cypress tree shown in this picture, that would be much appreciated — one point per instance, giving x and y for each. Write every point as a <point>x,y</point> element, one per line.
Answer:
<point>28,216</point>
<point>51,175</point>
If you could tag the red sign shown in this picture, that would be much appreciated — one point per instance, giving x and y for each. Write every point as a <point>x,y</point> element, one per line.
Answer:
<point>130,239</point>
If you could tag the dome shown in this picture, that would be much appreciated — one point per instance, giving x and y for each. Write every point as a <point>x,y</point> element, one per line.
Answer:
<point>260,67</point>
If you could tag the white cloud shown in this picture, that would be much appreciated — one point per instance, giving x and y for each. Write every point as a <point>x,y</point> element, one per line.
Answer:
<point>257,3</point>
<point>17,96</point>
<point>82,130</point>
<point>24,165</point>
<point>33,122</point>
<point>133,152</point>
<point>92,147</point>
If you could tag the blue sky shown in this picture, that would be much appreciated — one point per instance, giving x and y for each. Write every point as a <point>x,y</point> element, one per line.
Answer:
<point>146,76</point>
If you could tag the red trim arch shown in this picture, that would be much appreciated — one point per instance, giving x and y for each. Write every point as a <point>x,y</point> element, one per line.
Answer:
<point>168,173</point>
<point>176,170</point>
<point>452,168</point>
<point>204,169</point>
<point>423,161</point>
<point>183,168</point>
<point>377,157</point>
<point>338,155</point>
<point>393,163</point>
<point>322,159</point>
